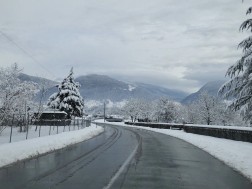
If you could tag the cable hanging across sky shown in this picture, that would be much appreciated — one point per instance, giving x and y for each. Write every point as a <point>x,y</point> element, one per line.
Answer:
<point>25,52</point>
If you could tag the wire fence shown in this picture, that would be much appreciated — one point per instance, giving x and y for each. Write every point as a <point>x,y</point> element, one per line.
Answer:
<point>23,128</point>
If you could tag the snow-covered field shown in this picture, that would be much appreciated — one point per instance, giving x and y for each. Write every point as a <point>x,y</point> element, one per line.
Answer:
<point>18,136</point>
<point>236,154</point>
<point>23,149</point>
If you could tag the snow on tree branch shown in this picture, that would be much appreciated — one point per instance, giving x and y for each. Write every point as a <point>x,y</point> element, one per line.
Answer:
<point>68,97</point>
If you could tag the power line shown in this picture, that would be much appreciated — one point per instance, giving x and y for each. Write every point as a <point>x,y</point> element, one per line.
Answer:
<point>25,52</point>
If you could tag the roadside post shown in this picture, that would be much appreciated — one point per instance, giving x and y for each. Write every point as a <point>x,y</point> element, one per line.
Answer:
<point>12,126</point>
<point>27,126</point>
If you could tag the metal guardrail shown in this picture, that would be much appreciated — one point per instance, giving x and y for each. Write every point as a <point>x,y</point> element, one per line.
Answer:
<point>219,132</point>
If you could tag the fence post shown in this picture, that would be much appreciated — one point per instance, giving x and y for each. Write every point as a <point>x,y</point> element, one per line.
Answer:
<point>69,125</point>
<point>74,122</point>
<point>39,130</point>
<point>27,133</point>
<point>27,124</point>
<point>11,134</point>
<point>50,130</point>
<point>12,126</point>
<point>27,128</point>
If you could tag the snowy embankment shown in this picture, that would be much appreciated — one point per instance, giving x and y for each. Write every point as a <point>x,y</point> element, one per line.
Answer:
<point>236,154</point>
<point>17,151</point>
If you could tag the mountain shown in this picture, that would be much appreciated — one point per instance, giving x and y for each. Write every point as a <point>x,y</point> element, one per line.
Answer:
<point>39,80</point>
<point>48,85</point>
<point>100,88</point>
<point>210,87</point>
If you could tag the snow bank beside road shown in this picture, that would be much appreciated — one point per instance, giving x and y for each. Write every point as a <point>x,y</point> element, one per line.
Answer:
<point>16,151</point>
<point>236,154</point>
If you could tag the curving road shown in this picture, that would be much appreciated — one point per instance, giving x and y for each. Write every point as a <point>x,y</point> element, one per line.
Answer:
<point>124,158</point>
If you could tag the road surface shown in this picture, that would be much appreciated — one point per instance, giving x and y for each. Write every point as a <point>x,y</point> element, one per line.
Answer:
<point>124,158</point>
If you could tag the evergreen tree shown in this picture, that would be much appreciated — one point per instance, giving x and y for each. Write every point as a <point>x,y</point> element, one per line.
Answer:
<point>68,97</point>
<point>240,85</point>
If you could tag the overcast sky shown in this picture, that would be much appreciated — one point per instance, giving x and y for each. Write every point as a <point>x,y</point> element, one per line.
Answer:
<point>176,44</point>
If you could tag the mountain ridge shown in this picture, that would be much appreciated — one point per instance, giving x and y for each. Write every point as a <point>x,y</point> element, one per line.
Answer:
<point>211,88</point>
<point>101,87</point>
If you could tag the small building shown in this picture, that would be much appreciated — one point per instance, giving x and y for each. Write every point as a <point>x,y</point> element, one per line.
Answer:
<point>51,117</point>
<point>113,118</point>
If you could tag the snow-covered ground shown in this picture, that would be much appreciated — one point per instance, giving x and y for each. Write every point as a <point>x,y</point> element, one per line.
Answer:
<point>236,154</point>
<point>16,151</point>
<point>18,136</point>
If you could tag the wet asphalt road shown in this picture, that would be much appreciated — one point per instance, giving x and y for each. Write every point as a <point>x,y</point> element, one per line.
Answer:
<point>159,162</point>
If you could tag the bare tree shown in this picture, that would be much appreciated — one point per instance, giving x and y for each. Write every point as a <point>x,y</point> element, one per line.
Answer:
<point>14,94</point>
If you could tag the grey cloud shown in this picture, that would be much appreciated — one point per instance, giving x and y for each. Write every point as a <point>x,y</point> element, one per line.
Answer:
<point>205,73</point>
<point>175,44</point>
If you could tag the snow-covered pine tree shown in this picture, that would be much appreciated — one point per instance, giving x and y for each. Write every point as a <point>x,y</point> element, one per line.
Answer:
<point>240,85</point>
<point>68,97</point>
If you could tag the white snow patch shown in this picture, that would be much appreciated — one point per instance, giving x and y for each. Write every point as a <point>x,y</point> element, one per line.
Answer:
<point>93,103</point>
<point>109,103</point>
<point>236,154</point>
<point>16,151</point>
<point>119,104</point>
<point>131,87</point>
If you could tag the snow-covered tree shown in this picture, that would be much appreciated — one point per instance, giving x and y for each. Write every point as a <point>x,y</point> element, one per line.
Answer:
<point>145,109</point>
<point>68,97</point>
<point>226,116</point>
<point>211,110</point>
<point>240,85</point>
<point>191,113</point>
<point>165,110</point>
<point>138,109</point>
<point>14,94</point>
<point>131,109</point>
<point>206,108</point>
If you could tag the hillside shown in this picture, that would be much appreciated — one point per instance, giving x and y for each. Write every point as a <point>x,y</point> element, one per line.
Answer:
<point>39,80</point>
<point>98,88</point>
<point>210,87</point>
